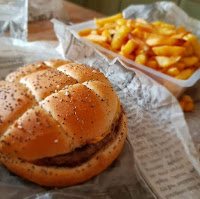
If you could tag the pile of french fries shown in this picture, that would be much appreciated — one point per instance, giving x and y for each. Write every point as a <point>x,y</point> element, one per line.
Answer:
<point>158,45</point>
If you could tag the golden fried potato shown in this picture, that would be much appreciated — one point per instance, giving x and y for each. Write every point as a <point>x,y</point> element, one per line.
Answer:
<point>143,25</point>
<point>189,61</point>
<point>152,64</point>
<point>158,45</point>
<point>119,37</point>
<point>186,103</point>
<point>178,65</point>
<point>111,19</point>
<point>173,71</point>
<point>168,50</point>
<point>85,32</point>
<point>107,34</point>
<point>141,59</point>
<point>161,24</point>
<point>195,43</point>
<point>160,40</point>
<point>185,74</point>
<point>129,47</point>
<point>96,38</point>
<point>164,61</point>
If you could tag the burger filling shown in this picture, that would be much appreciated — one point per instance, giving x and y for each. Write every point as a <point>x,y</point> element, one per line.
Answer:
<point>80,155</point>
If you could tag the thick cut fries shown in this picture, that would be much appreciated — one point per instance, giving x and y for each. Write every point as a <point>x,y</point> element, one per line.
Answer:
<point>158,45</point>
<point>186,103</point>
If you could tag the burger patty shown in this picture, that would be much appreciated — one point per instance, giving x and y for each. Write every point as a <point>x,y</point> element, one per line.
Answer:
<point>80,155</point>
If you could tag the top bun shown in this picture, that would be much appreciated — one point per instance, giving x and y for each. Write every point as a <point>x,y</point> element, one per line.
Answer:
<point>52,107</point>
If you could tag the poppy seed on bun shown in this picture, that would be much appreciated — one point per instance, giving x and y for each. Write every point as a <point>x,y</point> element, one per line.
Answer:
<point>61,123</point>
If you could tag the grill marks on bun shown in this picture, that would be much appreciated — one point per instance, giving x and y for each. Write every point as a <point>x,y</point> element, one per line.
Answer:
<point>50,109</point>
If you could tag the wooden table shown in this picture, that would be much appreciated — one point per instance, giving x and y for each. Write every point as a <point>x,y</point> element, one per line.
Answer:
<point>43,30</point>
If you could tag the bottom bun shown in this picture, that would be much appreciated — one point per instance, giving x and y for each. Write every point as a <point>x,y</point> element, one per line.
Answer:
<point>66,176</point>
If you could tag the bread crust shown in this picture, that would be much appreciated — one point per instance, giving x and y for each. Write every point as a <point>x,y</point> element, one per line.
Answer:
<point>65,176</point>
<point>82,73</point>
<point>43,83</point>
<point>31,68</point>
<point>61,106</point>
<point>14,101</point>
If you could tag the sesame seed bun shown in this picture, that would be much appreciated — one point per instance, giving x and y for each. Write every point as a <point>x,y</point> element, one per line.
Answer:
<point>55,108</point>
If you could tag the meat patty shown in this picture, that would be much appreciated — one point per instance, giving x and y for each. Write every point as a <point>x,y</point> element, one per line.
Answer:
<point>79,155</point>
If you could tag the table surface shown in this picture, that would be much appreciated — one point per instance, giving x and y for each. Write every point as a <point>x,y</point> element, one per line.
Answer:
<point>43,30</point>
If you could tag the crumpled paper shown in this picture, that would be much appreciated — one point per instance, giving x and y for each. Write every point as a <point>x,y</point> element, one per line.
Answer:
<point>14,17</point>
<point>46,9</point>
<point>166,156</point>
<point>15,53</point>
<point>159,153</point>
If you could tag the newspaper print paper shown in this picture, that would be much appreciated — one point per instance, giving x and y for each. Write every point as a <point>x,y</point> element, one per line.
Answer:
<point>161,140</point>
<point>158,134</point>
<point>113,183</point>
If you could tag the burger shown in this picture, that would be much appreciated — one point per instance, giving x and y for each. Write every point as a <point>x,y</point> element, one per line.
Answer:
<point>61,123</point>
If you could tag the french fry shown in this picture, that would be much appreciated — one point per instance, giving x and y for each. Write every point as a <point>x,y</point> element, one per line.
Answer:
<point>138,33</point>
<point>195,43</point>
<point>185,74</point>
<point>144,25</point>
<point>189,52</point>
<point>94,32</point>
<point>166,32</point>
<point>179,35</point>
<point>85,32</point>
<point>112,31</point>
<point>142,46</point>
<point>178,65</point>
<point>186,103</point>
<point>96,38</point>
<point>173,71</point>
<point>121,22</point>
<point>168,50</point>
<point>181,29</point>
<point>107,34</point>
<point>129,47</point>
<point>108,26</point>
<point>164,28</point>
<point>119,37</point>
<point>141,59</point>
<point>164,61</point>
<point>111,19</point>
<point>160,40</point>
<point>130,56</point>
<point>130,23</point>
<point>189,61</point>
<point>161,24</point>
<point>152,64</point>
<point>106,45</point>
